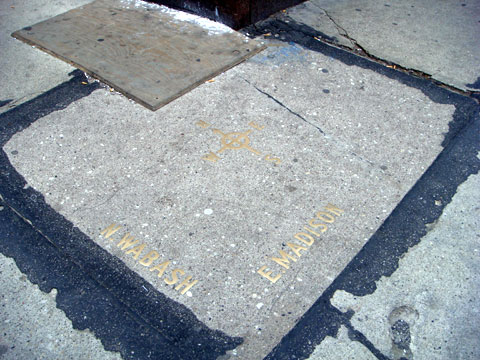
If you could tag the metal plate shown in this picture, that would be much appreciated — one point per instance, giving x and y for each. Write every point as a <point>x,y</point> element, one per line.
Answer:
<point>149,53</point>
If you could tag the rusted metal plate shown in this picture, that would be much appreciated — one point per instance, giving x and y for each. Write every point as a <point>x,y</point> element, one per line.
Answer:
<point>148,52</point>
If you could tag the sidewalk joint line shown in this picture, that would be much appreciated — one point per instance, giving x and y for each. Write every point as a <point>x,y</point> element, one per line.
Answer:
<point>75,261</point>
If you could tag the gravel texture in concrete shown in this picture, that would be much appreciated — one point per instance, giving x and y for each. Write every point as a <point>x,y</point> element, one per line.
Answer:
<point>438,38</point>
<point>216,184</point>
<point>219,191</point>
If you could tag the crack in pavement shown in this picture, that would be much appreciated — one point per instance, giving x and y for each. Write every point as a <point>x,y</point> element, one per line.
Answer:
<point>284,106</point>
<point>341,30</point>
<point>288,29</point>
<point>333,140</point>
<point>97,205</point>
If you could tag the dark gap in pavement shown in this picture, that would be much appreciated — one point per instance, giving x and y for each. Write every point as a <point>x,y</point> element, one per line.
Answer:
<point>401,230</point>
<point>476,84</point>
<point>5,102</point>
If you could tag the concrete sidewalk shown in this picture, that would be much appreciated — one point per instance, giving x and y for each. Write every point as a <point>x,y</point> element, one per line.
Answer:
<point>358,174</point>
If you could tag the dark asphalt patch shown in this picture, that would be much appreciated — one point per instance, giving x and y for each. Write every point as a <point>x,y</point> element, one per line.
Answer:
<point>95,289</point>
<point>5,102</point>
<point>475,85</point>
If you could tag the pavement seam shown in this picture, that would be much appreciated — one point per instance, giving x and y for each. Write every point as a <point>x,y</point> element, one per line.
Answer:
<point>141,319</point>
<point>361,51</point>
<point>406,225</point>
<point>119,320</point>
<point>66,255</point>
<point>63,292</point>
<point>355,333</point>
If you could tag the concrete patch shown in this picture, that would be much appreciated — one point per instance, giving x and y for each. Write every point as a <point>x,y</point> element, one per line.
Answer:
<point>428,308</point>
<point>439,39</point>
<point>212,190</point>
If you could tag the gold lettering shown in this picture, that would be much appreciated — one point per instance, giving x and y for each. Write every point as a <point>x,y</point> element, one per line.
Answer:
<point>266,274</point>
<point>109,231</point>
<point>211,157</point>
<point>322,215</point>
<point>161,268</point>
<point>301,236</point>
<point>315,225</point>
<point>296,248</point>
<point>127,241</point>
<point>136,250</point>
<point>276,160</point>
<point>148,259</point>
<point>174,276</point>
<point>256,126</point>
<point>333,209</point>
<point>284,260</point>
<point>188,285</point>
<point>202,124</point>
<point>327,216</point>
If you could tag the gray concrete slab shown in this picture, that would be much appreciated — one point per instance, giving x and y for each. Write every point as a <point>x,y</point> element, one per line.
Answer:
<point>437,38</point>
<point>27,72</point>
<point>26,310</point>
<point>428,308</point>
<point>212,191</point>
<point>333,97</point>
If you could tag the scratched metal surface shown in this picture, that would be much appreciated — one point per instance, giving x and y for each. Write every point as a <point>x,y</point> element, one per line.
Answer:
<point>147,52</point>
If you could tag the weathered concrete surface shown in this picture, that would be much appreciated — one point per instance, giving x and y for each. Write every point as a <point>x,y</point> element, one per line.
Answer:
<point>360,111</point>
<point>438,38</point>
<point>341,347</point>
<point>95,162</point>
<point>33,328</point>
<point>27,72</point>
<point>428,309</point>
<point>220,218</point>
